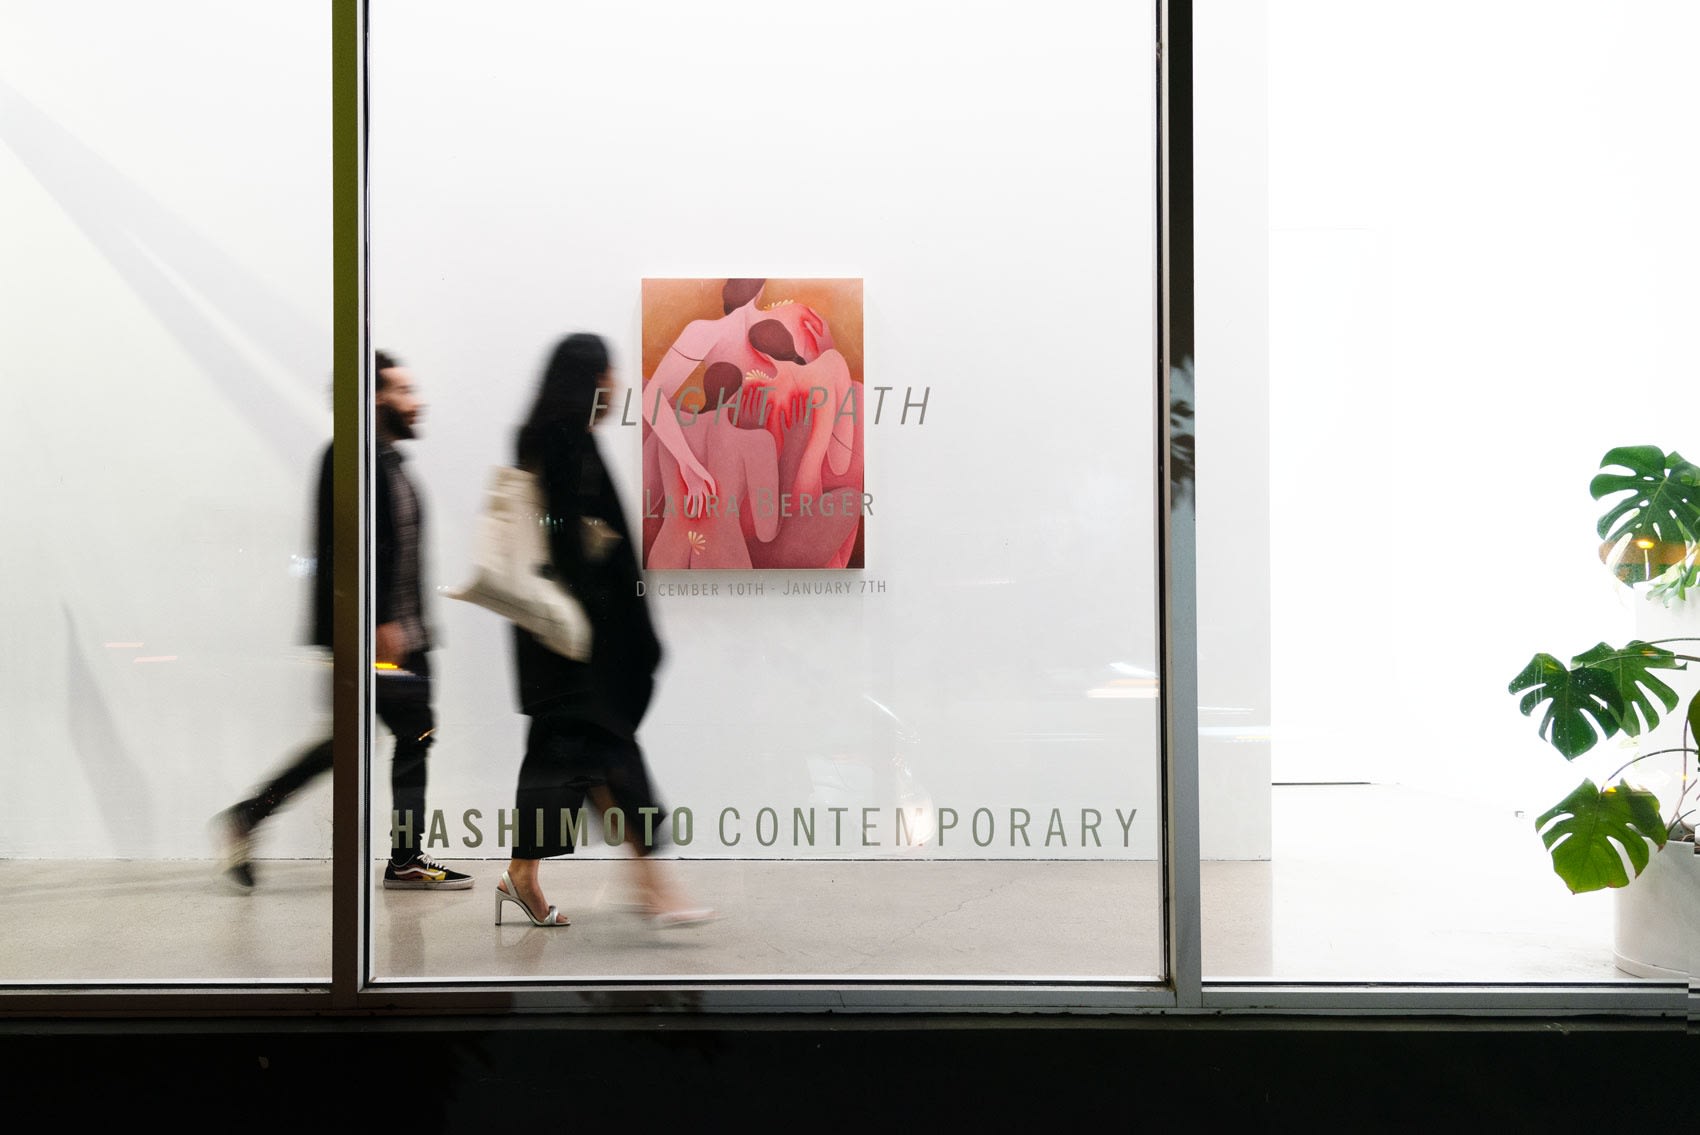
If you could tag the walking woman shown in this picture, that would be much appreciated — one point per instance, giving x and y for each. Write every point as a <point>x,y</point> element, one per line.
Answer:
<point>585,715</point>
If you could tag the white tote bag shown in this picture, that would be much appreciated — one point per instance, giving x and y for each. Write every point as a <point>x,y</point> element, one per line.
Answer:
<point>512,573</point>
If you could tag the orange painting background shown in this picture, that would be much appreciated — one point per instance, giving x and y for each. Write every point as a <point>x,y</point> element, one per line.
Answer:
<point>668,305</point>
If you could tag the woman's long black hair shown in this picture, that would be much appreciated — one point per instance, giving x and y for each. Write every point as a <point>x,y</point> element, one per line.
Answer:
<point>566,398</point>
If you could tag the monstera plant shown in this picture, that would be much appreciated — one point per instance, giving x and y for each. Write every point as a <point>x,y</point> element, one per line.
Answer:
<point>1651,534</point>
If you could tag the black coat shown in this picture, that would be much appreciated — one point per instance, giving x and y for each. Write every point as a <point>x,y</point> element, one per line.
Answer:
<point>613,688</point>
<point>384,570</point>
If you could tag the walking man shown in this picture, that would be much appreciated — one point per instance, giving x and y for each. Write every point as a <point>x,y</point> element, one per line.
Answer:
<point>402,642</point>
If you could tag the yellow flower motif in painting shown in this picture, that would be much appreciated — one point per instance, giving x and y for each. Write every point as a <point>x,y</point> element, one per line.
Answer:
<point>697,541</point>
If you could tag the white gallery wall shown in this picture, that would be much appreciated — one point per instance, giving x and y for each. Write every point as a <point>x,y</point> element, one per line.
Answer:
<point>990,179</point>
<point>1477,286</point>
<point>1481,250</point>
<point>1231,403</point>
<point>166,356</point>
<point>164,371</point>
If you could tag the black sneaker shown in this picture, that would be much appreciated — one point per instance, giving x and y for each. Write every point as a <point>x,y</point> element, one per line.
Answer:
<point>232,829</point>
<point>422,873</point>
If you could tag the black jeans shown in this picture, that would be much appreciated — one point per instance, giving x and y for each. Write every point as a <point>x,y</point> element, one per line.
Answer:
<point>404,706</point>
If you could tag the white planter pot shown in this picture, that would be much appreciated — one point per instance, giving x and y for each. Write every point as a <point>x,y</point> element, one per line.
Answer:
<point>1658,916</point>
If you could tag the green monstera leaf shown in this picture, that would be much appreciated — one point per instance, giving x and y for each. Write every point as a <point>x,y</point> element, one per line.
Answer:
<point>1584,831</point>
<point>1576,696</point>
<point>1663,505</point>
<point>1631,671</point>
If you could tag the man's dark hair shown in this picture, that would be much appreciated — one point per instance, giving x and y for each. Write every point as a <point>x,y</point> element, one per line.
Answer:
<point>382,361</point>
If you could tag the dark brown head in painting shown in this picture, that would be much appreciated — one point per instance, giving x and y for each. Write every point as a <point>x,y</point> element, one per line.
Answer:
<point>737,293</point>
<point>720,385</point>
<point>772,339</point>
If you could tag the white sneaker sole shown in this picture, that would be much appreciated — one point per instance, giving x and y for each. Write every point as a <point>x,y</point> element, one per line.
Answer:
<point>428,884</point>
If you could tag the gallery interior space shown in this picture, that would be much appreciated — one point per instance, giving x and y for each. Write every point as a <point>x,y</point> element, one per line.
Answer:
<point>1092,530</point>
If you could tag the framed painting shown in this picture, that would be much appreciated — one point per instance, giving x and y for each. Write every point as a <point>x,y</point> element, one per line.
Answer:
<point>753,424</point>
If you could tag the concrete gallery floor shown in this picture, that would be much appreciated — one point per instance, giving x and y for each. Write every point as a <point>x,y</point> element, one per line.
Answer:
<point>1348,895</point>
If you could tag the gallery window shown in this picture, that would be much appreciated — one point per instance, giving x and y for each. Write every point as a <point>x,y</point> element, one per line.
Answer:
<point>1429,307</point>
<point>168,373</point>
<point>1091,480</point>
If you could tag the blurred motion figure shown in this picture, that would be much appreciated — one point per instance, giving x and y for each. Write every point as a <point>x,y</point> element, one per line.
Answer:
<point>402,641</point>
<point>585,715</point>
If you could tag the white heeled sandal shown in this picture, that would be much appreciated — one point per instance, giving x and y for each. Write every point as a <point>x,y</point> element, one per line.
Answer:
<point>507,892</point>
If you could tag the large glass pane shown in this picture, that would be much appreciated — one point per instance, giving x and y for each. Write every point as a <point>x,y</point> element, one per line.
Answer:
<point>914,741</point>
<point>164,379</point>
<point>1478,229</point>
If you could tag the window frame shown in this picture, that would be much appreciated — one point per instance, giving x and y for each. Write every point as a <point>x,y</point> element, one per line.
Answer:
<point>1183,990</point>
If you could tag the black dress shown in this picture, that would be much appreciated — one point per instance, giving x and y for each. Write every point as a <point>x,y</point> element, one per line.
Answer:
<point>585,715</point>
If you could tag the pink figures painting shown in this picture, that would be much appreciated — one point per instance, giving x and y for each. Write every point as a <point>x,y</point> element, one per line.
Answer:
<point>752,424</point>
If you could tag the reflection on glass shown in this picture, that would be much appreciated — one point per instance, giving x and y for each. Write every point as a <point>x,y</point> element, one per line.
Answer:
<point>166,352</point>
<point>881,429</point>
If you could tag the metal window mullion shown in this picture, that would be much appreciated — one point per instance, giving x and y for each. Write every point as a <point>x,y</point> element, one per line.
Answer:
<point>351,628</point>
<point>1177,586</point>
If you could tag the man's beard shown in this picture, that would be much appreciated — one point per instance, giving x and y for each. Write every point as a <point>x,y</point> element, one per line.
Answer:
<point>392,422</point>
